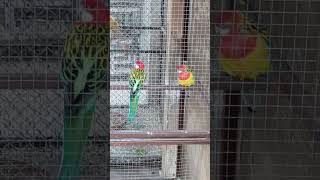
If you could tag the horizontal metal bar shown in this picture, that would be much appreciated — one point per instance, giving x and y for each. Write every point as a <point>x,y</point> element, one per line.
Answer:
<point>157,134</point>
<point>158,141</point>
<point>139,51</point>
<point>148,178</point>
<point>306,1</point>
<point>30,81</point>
<point>141,27</point>
<point>52,81</point>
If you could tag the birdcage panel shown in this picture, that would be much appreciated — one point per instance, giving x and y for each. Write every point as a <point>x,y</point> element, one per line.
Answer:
<point>148,114</point>
<point>138,38</point>
<point>149,162</point>
<point>276,139</point>
<point>32,127</point>
<point>159,43</point>
<point>138,14</point>
<point>28,114</point>
<point>143,162</point>
<point>46,19</point>
<point>39,160</point>
<point>37,114</point>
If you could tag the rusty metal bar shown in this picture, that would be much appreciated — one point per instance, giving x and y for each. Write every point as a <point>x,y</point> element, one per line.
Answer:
<point>157,134</point>
<point>158,141</point>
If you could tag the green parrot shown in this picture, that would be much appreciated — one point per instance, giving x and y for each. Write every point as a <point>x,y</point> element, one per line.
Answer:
<point>136,80</point>
<point>84,74</point>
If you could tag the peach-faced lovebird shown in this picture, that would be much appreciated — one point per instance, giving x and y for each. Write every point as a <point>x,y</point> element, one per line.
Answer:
<point>84,72</point>
<point>136,80</point>
<point>243,50</point>
<point>185,76</point>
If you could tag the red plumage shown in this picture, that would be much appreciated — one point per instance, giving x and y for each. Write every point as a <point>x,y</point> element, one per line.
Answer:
<point>237,46</point>
<point>98,10</point>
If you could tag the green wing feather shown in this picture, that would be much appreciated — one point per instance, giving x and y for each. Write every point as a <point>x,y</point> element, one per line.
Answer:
<point>136,80</point>
<point>84,72</point>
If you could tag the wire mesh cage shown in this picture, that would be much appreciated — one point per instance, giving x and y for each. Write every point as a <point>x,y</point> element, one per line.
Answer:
<point>163,34</point>
<point>172,121</point>
<point>266,127</point>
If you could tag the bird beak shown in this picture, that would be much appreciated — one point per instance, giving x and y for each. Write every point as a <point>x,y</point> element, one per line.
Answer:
<point>114,25</point>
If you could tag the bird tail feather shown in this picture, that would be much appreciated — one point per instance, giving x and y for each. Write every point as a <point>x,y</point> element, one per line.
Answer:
<point>133,107</point>
<point>77,123</point>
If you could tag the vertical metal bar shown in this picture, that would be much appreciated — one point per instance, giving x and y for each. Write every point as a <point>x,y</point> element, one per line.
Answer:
<point>230,135</point>
<point>217,109</point>
<point>216,97</point>
<point>184,50</point>
<point>107,103</point>
<point>225,132</point>
<point>161,64</point>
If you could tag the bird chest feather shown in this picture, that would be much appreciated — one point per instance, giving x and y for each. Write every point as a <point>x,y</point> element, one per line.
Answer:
<point>86,54</point>
<point>244,57</point>
<point>186,79</point>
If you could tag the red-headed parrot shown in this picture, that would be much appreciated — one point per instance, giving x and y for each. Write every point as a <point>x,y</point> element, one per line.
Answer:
<point>84,73</point>
<point>136,80</point>
<point>244,51</point>
<point>185,76</point>
<point>186,79</point>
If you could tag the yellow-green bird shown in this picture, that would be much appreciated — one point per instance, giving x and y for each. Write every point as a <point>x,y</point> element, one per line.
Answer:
<point>244,52</point>
<point>185,77</point>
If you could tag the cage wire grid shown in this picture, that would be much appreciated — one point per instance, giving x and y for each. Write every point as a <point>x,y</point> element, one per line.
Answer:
<point>162,34</point>
<point>280,138</point>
